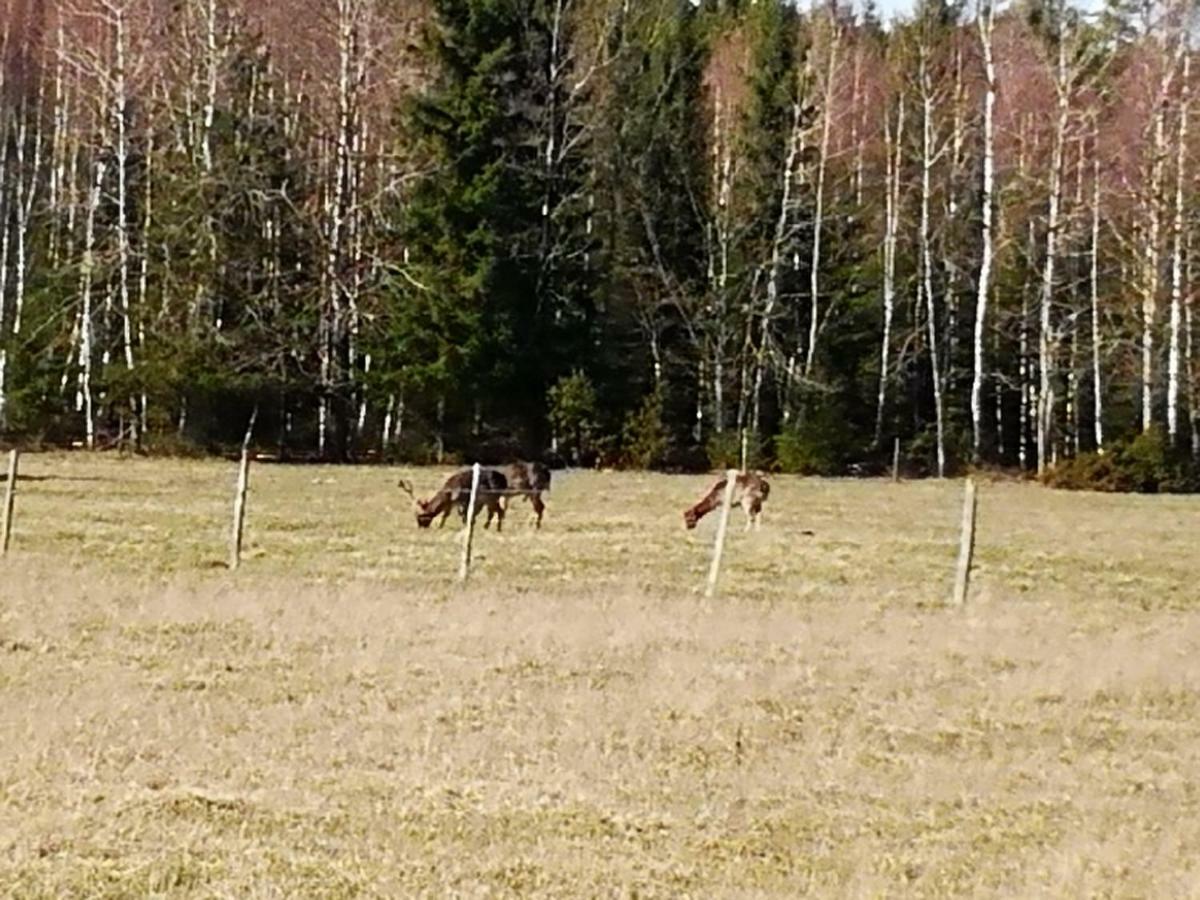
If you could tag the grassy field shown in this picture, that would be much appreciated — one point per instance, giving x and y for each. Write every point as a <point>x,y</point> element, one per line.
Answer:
<point>338,719</point>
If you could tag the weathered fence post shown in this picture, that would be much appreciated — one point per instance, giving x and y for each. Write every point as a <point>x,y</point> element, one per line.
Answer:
<point>10,491</point>
<point>464,569</point>
<point>966,545</point>
<point>714,569</point>
<point>239,511</point>
<point>896,460</point>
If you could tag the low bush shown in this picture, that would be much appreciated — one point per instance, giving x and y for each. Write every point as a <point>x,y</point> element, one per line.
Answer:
<point>1148,464</point>
<point>724,450</point>
<point>644,439</point>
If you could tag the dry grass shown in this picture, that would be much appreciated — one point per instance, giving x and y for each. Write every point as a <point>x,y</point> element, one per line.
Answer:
<point>339,720</point>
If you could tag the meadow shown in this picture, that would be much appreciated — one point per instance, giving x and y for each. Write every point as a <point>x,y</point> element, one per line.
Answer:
<point>338,718</point>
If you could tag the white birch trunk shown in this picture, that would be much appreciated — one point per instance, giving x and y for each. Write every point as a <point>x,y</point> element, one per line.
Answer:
<point>362,405</point>
<point>1173,366</point>
<point>211,71</point>
<point>58,144</point>
<point>814,284</point>
<point>1150,249</point>
<point>85,289</point>
<point>386,433</point>
<point>1024,427</point>
<point>28,178</point>
<point>718,257</point>
<point>1045,408</point>
<point>856,140</point>
<point>120,113</point>
<point>778,251</point>
<point>1189,338</point>
<point>143,291</point>
<point>894,154</point>
<point>4,243</point>
<point>985,24</point>
<point>926,253</point>
<point>948,237</point>
<point>1094,288</point>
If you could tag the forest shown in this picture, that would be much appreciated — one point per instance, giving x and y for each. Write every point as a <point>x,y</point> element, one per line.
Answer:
<point>659,233</point>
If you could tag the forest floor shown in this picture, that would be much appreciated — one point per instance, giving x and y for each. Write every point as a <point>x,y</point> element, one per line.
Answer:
<point>338,719</point>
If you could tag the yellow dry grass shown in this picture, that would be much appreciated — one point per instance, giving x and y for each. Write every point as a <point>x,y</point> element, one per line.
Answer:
<point>337,719</point>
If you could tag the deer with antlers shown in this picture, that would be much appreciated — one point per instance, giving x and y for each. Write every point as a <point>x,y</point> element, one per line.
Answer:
<point>528,480</point>
<point>456,492</point>
<point>749,492</point>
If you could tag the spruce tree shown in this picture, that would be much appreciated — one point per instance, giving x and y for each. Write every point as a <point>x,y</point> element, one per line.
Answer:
<point>494,303</point>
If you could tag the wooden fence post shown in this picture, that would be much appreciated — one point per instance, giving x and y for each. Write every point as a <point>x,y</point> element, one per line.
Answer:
<point>966,545</point>
<point>10,490</point>
<point>464,569</point>
<point>896,460</point>
<point>239,511</point>
<point>714,569</point>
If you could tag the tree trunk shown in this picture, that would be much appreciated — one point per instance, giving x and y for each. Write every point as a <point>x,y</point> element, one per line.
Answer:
<point>1046,342</point>
<point>1173,365</point>
<point>1150,248</point>
<point>893,152</point>
<point>1094,288</point>
<point>774,272</point>
<point>985,23</point>
<point>819,213</point>
<point>926,286</point>
<point>120,112</point>
<point>86,324</point>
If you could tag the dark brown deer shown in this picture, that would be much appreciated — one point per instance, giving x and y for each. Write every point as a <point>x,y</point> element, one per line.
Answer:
<point>528,480</point>
<point>749,492</point>
<point>456,492</point>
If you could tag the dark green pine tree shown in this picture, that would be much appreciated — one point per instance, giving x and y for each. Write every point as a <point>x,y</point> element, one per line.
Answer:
<point>493,303</point>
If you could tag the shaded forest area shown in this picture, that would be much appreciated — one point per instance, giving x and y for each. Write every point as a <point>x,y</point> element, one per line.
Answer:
<point>657,233</point>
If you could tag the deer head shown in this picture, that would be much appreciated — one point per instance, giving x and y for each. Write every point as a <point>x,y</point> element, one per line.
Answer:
<point>424,516</point>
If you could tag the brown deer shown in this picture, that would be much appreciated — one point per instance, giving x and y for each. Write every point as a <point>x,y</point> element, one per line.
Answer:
<point>749,492</point>
<point>456,492</point>
<point>528,480</point>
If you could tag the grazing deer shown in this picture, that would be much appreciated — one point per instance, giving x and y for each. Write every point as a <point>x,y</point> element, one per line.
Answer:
<point>528,480</point>
<point>749,492</point>
<point>456,492</point>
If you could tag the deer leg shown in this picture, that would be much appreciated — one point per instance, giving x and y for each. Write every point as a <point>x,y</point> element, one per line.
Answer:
<point>538,507</point>
<point>755,515</point>
<point>499,517</point>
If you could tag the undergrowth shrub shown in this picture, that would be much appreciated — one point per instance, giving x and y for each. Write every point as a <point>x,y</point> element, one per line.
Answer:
<point>724,450</point>
<point>1148,464</point>
<point>807,450</point>
<point>644,438</point>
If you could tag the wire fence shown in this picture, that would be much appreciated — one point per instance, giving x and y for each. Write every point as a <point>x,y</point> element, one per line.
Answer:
<point>478,491</point>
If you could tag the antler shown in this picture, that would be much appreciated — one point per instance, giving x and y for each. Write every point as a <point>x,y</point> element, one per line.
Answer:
<point>408,489</point>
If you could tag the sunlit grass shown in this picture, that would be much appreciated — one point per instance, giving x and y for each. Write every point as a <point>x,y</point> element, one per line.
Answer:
<point>339,718</point>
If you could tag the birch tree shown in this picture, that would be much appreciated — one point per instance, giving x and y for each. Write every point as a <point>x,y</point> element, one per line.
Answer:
<point>1177,265</point>
<point>985,22</point>
<point>893,149</point>
<point>931,151</point>
<point>833,41</point>
<point>1046,340</point>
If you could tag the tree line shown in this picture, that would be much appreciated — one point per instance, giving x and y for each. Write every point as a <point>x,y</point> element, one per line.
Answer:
<point>662,233</point>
